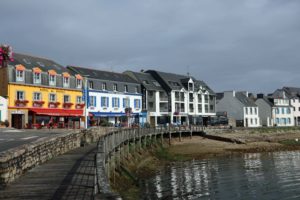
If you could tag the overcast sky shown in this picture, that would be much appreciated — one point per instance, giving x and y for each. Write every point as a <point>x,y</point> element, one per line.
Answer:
<point>230,44</point>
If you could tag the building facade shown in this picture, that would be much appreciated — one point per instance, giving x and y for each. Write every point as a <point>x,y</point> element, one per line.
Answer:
<point>112,97</point>
<point>189,101</point>
<point>155,98</point>
<point>275,110</point>
<point>239,107</point>
<point>293,94</point>
<point>39,90</point>
<point>3,109</point>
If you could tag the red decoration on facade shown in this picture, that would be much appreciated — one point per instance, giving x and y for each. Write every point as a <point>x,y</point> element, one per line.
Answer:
<point>53,104</point>
<point>20,103</point>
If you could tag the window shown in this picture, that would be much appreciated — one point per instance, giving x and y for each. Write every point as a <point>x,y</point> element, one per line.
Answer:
<point>78,99</point>
<point>289,120</point>
<point>282,110</point>
<point>277,110</point>
<point>211,108</point>
<point>150,93</point>
<point>66,98</point>
<point>91,85</point>
<point>66,81</point>
<point>299,109</point>
<point>206,108</point>
<point>206,98</point>
<point>52,97</point>
<point>104,86</point>
<point>255,111</point>
<point>104,101</point>
<point>37,96</point>
<point>251,111</point>
<point>251,121</point>
<point>20,75</point>
<point>190,86</point>
<point>137,103</point>
<point>52,80</point>
<point>136,89</point>
<point>115,102</point>
<point>126,103</point>
<point>255,120</point>
<point>78,83</point>
<point>20,95</point>
<point>246,110</point>
<point>288,111</point>
<point>36,77</point>
<point>125,88</point>
<point>277,120</point>
<point>92,101</point>
<point>115,87</point>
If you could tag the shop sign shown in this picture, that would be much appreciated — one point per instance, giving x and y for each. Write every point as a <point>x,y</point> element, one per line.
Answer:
<point>17,112</point>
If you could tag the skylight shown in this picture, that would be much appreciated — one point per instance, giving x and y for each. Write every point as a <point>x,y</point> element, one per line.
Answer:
<point>41,64</point>
<point>26,61</point>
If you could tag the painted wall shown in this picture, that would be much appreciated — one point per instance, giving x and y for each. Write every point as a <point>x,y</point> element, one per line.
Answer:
<point>3,109</point>
<point>45,91</point>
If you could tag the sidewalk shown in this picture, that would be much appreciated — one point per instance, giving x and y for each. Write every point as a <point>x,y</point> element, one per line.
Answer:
<point>69,176</point>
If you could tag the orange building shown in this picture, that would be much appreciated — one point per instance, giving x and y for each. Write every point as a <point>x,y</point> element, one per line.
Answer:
<point>39,91</point>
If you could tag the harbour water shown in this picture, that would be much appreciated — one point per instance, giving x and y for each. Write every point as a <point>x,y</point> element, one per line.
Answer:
<point>245,176</point>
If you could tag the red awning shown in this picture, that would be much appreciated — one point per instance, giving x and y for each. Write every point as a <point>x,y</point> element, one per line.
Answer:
<point>57,112</point>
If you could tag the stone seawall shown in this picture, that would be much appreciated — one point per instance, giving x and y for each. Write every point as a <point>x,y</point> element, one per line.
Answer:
<point>15,162</point>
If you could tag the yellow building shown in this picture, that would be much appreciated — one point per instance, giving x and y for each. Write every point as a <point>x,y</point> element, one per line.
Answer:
<point>40,91</point>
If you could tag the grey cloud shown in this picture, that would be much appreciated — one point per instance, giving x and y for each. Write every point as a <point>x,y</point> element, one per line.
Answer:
<point>232,44</point>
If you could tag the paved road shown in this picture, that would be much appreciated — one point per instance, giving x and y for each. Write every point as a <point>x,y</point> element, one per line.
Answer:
<point>10,138</point>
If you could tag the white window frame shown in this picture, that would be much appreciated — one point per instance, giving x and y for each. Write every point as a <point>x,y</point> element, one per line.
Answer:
<point>20,75</point>
<point>55,97</point>
<point>20,92</point>
<point>78,99</point>
<point>52,82</point>
<point>37,78</point>
<point>104,86</point>
<point>78,83</point>
<point>66,81</point>
<point>125,88</point>
<point>68,97</point>
<point>115,87</point>
<point>35,95</point>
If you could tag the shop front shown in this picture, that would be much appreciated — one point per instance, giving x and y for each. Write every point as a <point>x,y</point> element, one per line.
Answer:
<point>115,119</point>
<point>60,118</point>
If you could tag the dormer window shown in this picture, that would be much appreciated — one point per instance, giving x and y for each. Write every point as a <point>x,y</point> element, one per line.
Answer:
<point>20,73</point>
<point>115,87</point>
<point>66,79</point>
<point>125,88</point>
<point>91,85</point>
<point>52,77</point>
<point>136,89</point>
<point>104,86</point>
<point>37,75</point>
<point>191,86</point>
<point>78,81</point>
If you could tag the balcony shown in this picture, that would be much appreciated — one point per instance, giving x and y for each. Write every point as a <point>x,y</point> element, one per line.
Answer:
<point>21,103</point>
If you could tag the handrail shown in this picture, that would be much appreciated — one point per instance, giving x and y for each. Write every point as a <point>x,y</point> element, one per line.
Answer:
<point>115,138</point>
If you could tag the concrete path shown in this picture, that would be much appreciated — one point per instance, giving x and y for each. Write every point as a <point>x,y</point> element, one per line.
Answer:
<point>69,176</point>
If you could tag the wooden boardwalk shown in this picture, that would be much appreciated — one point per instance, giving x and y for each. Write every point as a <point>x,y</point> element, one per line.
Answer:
<point>69,176</point>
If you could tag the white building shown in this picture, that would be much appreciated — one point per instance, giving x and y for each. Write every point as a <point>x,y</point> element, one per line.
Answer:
<point>293,94</point>
<point>239,107</point>
<point>113,97</point>
<point>275,110</point>
<point>3,109</point>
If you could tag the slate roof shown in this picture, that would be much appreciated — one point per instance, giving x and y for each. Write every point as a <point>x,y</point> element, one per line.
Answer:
<point>31,62</point>
<point>292,92</point>
<point>245,100</point>
<point>177,81</point>
<point>102,75</point>
<point>146,80</point>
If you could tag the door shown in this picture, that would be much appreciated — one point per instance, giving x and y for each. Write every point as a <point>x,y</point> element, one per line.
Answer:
<point>17,121</point>
<point>152,121</point>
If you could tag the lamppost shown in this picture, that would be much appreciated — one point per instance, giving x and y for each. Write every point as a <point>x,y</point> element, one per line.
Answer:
<point>86,101</point>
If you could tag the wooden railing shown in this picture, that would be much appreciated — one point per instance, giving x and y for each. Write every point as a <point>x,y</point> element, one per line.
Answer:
<point>111,142</point>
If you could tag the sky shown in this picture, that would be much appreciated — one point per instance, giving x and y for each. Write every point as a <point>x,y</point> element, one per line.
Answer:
<point>251,45</point>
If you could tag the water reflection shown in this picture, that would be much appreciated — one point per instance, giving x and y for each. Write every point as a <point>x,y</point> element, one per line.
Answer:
<point>249,176</point>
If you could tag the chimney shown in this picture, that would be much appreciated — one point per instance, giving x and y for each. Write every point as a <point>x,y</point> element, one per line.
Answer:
<point>260,96</point>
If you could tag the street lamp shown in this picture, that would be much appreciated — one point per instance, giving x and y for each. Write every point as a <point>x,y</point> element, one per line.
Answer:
<point>86,101</point>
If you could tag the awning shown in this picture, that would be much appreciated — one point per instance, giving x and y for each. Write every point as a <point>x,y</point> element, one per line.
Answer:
<point>37,70</point>
<point>57,112</point>
<point>111,114</point>
<point>20,67</point>
<point>52,72</point>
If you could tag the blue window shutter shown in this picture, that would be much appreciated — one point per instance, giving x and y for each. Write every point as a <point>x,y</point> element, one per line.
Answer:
<point>134,103</point>
<point>107,101</point>
<point>102,102</point>
<point>119,103</point>
<point>113,102</point>
<point>95,101</point>
<point>139,103</point>
<point>123,102</point>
